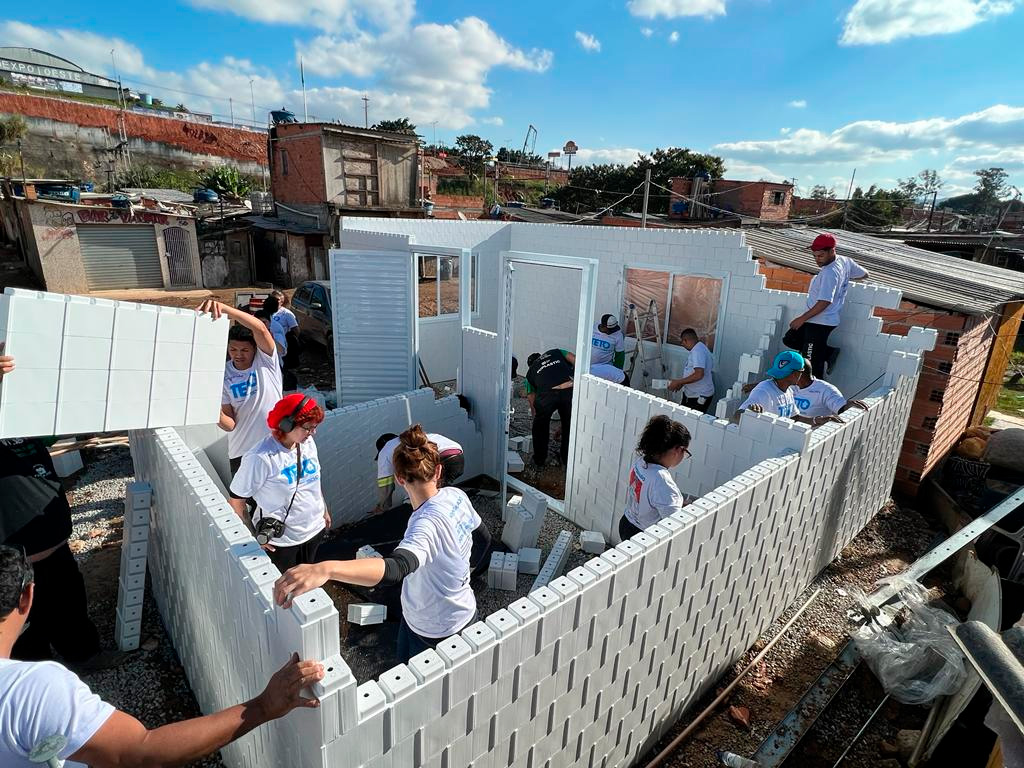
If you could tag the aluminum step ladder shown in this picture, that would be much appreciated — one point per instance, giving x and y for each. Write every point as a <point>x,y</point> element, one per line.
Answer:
<point>646,327</point>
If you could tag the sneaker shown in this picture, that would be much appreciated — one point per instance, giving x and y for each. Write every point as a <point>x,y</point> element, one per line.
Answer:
<point>107,658</point>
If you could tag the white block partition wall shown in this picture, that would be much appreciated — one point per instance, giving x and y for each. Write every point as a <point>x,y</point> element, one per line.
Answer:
<point>94,365</point>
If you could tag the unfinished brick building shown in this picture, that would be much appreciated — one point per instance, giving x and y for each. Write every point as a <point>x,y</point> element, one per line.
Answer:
<point>975,309</point>
<point>718,198</point>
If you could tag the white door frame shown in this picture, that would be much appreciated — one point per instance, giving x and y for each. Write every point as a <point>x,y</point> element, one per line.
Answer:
<point>588,300</point>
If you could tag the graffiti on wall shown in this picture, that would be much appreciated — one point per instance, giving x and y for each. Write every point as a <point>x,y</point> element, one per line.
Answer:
<point>60,225</point>
<point>115,216</point>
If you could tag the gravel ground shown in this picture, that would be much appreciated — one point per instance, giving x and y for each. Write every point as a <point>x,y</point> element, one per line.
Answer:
<point>151,683</point>
<point>888,544</point>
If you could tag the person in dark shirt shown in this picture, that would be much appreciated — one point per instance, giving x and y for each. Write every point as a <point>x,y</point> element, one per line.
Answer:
<point>549,389</point>
<point>31,491</point>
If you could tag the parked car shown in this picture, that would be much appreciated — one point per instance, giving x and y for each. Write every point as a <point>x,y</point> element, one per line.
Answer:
<point>311,304</point>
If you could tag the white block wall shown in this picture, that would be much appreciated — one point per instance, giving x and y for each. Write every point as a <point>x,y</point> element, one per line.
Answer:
<point>481,379</point>
<point>212,584</point>
<point>95,365</point>
<point>346,444</point>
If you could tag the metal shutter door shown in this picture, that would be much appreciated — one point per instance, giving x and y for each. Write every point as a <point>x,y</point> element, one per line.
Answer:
<point>373,297</point>
<point>120,256</point>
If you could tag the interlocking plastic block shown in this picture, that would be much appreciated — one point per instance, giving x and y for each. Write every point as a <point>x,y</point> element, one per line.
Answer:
<point>524,521</point>
<point>140,495</point>
<point>515,463</point>
<point>67,463</point>
<point>367,551</point>
<point>365,614</point>
<point>509,571</point>
<point>529,560</point>
<point>592,542</point>
<point>515,501</point>
<point>515,443</point>
<point>557,558</point>
<point>660,383</point>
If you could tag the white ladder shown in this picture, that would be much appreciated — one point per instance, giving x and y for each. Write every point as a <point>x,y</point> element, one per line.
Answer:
<point>641,333</point>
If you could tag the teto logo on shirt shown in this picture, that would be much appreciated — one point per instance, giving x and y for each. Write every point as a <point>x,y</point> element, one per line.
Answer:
<point>802,403</point>
<point>602,344</point>
<point>245,388</point>
<point>309,470</point>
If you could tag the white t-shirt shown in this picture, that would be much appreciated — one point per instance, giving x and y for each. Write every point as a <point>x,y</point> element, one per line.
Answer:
<point>385,459</point>
<point>252,393</point>
<point>700,357</point>
<point>278,331</point>
<point>819,398</point>
<point>39,699</point>
<point>831,284</point>
<point>286,318</point>
<point>437,600</point>
<point>268,474</point>
<point>608,372</point>
<point>653,494</point>
<point>774,401</point>
<point>605,345</point>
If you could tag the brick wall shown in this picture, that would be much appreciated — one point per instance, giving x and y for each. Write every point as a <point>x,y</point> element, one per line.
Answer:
<point>474,202</point>
<point>304,181</point>
<point>950,379</point>
<point>201,138</point>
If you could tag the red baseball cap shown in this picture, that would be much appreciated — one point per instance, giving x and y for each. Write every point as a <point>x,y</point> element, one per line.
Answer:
<point>823,243</point>
<point>286,406</point>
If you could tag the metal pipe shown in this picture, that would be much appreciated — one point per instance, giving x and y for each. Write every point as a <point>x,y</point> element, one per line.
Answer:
<point>861,731</point>
<point>672,745</point>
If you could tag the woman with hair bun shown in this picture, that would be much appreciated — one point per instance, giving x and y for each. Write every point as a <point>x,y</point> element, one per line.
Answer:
<point>431,562</point>
<point>653,494</point>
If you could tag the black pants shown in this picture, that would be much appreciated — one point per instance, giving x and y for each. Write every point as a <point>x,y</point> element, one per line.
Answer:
<point>234,464</point>
<point>545,404</point>
<point>410,644</point>
<point>59,618</point>
<point>301,554</point>
<point>814,345</point>
<point>626,529</point>
<point>695,404</point>
<point>289,380</point>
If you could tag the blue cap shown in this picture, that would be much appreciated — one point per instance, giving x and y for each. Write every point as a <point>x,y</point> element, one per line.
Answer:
<point>786,363</point>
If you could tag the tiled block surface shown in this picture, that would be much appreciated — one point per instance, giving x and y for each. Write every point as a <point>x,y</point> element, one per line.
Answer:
<point>94,365</point>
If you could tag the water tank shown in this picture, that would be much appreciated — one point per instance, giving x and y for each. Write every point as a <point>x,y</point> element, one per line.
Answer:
<point>282,116</point>
<point>205,196</point>
<point>146,98</point>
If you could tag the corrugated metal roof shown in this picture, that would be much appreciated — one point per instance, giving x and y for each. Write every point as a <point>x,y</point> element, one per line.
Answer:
<point>933,279</point>
<point>163,195</point>
<point>284,225</point>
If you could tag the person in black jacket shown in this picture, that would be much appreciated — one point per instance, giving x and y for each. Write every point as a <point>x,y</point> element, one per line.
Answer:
<point>549,389</point>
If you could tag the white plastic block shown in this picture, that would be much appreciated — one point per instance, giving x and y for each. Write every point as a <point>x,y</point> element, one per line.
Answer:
<point>365,614</point>
<point>139,495</point>
<point>555,563</point>
<point>592,542</point>
<point>529,560</point>
<point>509,571</point>
<point>367,551</point>
<point>515,463</point>
<point>524,521</point>
<point>75,353</point>
<point>515,501</point>
<point>660,384</point>
<point>67,463</point>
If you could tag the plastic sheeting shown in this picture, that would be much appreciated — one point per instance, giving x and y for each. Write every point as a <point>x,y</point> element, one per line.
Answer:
<point>692,302</point>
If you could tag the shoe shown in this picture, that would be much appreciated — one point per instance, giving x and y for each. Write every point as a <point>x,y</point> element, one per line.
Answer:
<point>830,359</point>
<point>107,658</point>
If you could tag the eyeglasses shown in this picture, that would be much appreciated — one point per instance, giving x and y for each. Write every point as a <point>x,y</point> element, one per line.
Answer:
<point>308,430</point>
<point>686,453</point>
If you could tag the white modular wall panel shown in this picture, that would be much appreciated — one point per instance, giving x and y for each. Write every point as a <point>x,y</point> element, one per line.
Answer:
<point>482,375</point>
<point>348,436</point>
<point>374,310</point>
<point>95,365</point>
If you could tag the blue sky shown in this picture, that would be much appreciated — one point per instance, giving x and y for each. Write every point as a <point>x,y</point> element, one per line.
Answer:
<point>779,88</point>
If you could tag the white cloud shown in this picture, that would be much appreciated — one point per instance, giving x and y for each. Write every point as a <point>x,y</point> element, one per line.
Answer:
<point>623,155</point>
<point>996,127</point>
<point>870,22</point>
<point>589,43</point>
<point>674,9</point>
<point>497,121</point>
<point>426,72</point>
<point>646,31</point>
<point>324,14</point>
<point>88,50</point>
<point>784,131</point>
<point>737,169</point>
<point>674,37</point>
<point>798,103</point>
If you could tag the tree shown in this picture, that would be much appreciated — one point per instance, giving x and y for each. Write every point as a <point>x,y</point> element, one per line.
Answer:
<point>821,192</point>
<point>225,180</point>
<point>401,125</point>
<point>930,181</point>
<point>12,128</point>
<point>506,155</point>
<point>991,188</point>
<point>472,150</point>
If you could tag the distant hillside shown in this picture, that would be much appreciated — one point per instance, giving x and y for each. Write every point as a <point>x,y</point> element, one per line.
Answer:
<point>968,203</point>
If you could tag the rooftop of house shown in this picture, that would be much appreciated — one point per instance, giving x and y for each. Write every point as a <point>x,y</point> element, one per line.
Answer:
<point>351,130</point>
<point>928,278</point>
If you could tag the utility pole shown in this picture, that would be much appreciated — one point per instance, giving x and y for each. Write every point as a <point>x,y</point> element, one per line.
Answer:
<point>434,123</point>
<point>231,107</point>
<point>647,194</point>
<point>846,208</point>
<point>931,213</point>
<point>302,77</point>
<point>366,111</point>
<point>252,100</point>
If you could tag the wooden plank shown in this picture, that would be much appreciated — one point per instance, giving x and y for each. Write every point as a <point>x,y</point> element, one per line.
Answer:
<point>999,357</point>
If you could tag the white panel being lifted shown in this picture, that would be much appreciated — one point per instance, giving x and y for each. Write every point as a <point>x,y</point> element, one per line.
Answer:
<point>374,306</point>
<point>94,365</point>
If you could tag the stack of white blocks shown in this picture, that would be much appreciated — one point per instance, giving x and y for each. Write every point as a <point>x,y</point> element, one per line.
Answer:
<point>367,551</point>
<point>95,365</point>
<point>523,520</point>
<point>529,560</point>
<point>132,577</point>
<point>365,614</point>
<point>515,462</point>
<point>557,558</point>
<point>502,572</point>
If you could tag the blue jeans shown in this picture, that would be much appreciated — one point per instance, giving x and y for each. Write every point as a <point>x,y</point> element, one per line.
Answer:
<point>410,644</point>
